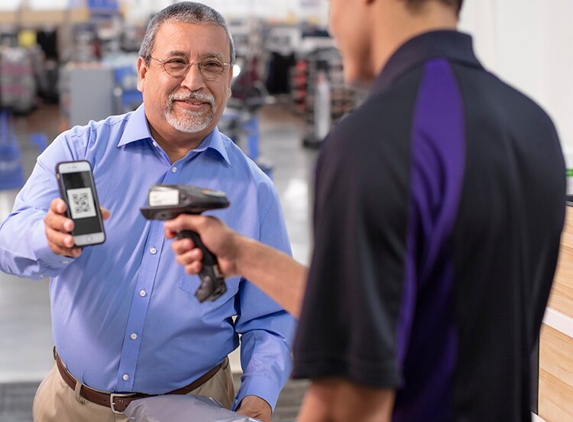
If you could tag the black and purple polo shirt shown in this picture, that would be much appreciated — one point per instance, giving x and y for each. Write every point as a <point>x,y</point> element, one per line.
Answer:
<point>439,207</point>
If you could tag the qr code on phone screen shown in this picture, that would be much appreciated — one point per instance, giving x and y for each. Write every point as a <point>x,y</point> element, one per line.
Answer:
<point>81,203</point>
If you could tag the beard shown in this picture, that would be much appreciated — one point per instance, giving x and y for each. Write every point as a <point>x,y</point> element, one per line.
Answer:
<point>190,121</point>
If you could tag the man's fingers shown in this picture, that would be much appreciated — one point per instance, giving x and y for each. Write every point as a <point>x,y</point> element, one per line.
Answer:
<point>62,243</point>
<point>58,223</point>
<point>194,268</point>
<point>58,228</point>
<point>181,246</point>
<point>59,239</point>
<point>58,205</point>
<point>188,255</point>
<point>185,222</point>
<point>55,217</point>
<point>186,252</point>
<point>104,213</point>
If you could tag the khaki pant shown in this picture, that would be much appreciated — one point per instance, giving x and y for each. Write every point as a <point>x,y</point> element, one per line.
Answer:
<point>55,401</point>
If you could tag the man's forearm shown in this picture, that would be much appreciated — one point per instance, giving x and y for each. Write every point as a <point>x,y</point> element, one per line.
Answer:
<point>274,272</point>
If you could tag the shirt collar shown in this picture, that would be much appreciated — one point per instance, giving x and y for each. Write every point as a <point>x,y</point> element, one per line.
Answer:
<point>137,129</point>
<point>214,141</point>
<point>454,45</point>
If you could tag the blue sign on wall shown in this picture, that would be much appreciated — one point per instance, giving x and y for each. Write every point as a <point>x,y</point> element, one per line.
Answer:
<point>103,9</point>
<point>103,5</point>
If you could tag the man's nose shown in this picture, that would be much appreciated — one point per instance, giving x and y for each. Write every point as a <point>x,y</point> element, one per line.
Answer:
<point>193,80</point>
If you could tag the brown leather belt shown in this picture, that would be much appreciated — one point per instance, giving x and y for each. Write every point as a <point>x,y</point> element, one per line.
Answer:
<point>118,402</point>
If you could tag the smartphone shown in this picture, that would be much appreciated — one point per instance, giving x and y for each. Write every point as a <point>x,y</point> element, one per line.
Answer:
<point>77,188</point>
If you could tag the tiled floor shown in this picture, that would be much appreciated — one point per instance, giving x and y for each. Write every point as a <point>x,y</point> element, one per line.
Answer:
<point>25,331</point>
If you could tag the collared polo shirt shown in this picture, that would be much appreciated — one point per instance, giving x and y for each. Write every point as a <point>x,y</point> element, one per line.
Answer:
<point>439,207</point>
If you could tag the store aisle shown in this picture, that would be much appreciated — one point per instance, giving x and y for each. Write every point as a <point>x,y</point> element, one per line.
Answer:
<point>25,330</point>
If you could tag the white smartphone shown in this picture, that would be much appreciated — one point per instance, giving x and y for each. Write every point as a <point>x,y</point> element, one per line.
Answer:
<point>77,188</point>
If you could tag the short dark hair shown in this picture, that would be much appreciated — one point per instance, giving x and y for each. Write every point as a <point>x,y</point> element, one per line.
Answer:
<point>456,4</point>
<point>186,12</point>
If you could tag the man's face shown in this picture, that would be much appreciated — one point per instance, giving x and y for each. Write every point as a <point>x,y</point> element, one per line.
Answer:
<point>188,103</point>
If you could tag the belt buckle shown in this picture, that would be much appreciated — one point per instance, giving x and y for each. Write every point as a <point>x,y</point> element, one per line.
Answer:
<point>120,395</point>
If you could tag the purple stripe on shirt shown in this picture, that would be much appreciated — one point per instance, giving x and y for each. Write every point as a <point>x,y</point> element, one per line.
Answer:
<point>426,337</point>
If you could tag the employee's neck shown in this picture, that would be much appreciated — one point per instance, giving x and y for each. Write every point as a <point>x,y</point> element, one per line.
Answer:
<point>403,24</point>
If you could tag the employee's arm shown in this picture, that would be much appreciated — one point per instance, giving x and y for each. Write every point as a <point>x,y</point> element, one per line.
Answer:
<point>339,400</point>
<point>274,272</point>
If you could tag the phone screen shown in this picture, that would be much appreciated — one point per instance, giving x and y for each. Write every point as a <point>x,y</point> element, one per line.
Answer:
<point>78,191</point>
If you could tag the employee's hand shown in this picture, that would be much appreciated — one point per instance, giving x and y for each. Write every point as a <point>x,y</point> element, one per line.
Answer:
<point>59,227</point>
<point>216,237</point>
<point>255,407</point>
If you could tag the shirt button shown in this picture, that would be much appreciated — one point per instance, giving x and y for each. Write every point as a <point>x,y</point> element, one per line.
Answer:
<point>65,261</point>
<point>174,170</point>
<point>125,377</point>
<point>133,336</point>
<point>153,251</point>
<point>142,293</point>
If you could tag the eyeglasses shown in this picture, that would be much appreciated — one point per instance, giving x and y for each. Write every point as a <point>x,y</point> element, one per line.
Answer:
<point>210,69</point>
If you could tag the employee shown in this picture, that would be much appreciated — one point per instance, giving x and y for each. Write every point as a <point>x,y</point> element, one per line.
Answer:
<point>438,212</point>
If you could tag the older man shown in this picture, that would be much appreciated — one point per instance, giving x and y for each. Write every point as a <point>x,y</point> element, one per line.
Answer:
<point>126,323</point>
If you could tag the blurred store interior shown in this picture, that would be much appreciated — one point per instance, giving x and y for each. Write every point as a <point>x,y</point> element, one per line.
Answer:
<point>64,62</point>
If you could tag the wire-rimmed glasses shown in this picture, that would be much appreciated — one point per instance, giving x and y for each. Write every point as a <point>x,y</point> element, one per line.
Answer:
<point>210,69</point>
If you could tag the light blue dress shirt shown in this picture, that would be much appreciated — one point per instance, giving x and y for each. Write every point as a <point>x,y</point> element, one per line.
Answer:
<point>124,314</point>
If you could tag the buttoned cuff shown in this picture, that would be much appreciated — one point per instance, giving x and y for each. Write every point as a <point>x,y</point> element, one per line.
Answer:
<point>261,387</point>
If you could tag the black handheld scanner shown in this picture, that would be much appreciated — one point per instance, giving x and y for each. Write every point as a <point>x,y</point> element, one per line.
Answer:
<point>167,202</point>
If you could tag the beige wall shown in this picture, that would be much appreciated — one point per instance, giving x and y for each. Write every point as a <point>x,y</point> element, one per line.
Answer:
<point>527,43</point>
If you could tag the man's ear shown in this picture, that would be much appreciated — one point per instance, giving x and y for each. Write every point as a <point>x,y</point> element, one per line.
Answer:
<point>230,81</point>
<point>141,71</point>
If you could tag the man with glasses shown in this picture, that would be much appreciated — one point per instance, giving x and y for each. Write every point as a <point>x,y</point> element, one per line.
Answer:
<point>126,322</point>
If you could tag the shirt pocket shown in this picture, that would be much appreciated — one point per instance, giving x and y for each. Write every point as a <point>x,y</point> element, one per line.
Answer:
<point>190,284</point>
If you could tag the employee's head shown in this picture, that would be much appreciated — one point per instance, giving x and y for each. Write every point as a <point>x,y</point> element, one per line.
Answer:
<point>367,32</point>
<point>185,69</point>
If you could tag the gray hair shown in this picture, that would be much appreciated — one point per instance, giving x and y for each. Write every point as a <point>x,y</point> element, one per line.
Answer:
<point>186,12</point>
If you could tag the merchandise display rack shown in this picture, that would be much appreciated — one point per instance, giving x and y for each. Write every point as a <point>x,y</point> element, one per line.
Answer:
<point>320,93</point>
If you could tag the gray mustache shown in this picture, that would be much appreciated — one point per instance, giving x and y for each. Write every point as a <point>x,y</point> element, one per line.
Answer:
<point>204,98</point>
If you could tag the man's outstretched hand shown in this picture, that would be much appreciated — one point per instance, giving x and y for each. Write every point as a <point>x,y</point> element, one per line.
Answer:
<point>58,228</point>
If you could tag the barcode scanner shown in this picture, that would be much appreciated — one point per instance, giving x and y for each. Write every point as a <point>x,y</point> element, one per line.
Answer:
<point>167,202</point>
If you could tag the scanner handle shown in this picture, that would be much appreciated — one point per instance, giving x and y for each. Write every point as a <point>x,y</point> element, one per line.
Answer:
<point>212,279</point>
